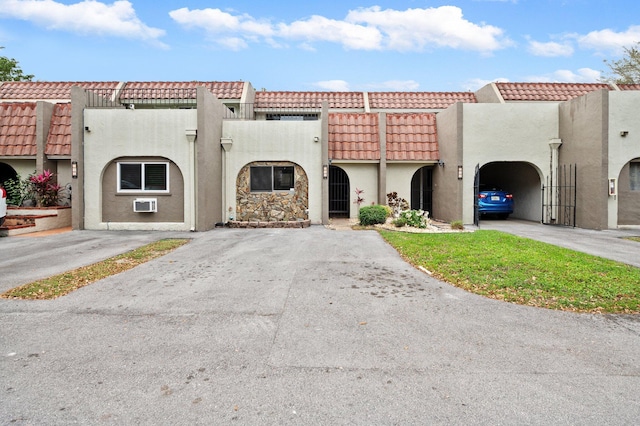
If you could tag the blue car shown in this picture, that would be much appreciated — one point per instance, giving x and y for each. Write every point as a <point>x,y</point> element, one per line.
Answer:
<point>494,201</point>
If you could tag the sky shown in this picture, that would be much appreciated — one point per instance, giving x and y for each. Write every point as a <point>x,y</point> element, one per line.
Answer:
<point>347,45</point>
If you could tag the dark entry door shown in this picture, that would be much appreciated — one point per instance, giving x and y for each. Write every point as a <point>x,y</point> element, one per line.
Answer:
<point>338,192</point>
<point>422,190</point>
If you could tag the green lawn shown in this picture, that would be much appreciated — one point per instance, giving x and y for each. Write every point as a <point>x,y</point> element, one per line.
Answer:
<point>520,270</point>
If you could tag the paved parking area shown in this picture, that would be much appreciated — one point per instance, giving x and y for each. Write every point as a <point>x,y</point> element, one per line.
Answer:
<point>309,326</point>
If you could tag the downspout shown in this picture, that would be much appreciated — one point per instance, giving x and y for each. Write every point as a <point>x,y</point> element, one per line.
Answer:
<point>191,137</point>
<point>554,192</point>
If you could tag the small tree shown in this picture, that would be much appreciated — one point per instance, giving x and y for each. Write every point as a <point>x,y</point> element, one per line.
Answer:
<point>10,71</point>
<point>625,70</point>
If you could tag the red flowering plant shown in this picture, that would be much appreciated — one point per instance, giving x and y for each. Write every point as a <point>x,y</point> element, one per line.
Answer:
<point>47,192</point>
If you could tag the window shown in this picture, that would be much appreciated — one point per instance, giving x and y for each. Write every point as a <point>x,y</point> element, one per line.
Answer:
<point>634,176</point>
<point>292,117</point>
<point>271,178</point>
<point>140,177</point>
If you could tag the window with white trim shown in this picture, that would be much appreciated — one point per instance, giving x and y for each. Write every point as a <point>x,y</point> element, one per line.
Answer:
<point>143,177</point>
<point>271,178</point>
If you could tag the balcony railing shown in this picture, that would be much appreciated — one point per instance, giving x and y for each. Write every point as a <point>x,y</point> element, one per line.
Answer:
<point>160,97</point>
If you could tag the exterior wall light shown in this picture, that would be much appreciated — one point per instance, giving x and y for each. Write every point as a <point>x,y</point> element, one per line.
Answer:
<point>74,169</point>
<point>624,133</point>
<point>325,172</point>
<point>316,139</point>
<point>459,172</point>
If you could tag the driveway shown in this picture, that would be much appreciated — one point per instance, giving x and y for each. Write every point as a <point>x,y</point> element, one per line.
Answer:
<point>308,326</point>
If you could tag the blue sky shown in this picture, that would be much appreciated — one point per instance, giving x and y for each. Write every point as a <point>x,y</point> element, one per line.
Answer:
<point>363,45</point>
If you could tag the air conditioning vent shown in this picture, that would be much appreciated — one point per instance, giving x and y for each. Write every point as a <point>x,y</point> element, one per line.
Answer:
<point>145,205</point>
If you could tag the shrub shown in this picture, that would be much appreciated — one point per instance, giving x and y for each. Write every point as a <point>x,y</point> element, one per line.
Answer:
<point>396,203</point>
<point>415,218</point>
<point>18,191</point>
<point>457,224</point>
<point>371,215</point>
<point>47,192</point>
<point>389,210</point>
<point>400,222</point>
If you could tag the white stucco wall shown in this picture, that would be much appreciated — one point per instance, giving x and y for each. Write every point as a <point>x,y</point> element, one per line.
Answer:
<point>130,133</point>
<point>24,168</point>
<point>623,116</point>
<point>291,141</point>
<point>363,176</point>
<point>505,132</point>
<point>399,177</point>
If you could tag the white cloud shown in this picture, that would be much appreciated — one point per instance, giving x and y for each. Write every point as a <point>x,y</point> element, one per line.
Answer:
<point>610,41</point>
<point>333,85</point>
<point>550,49</point>
<point>417,29</point>
<point>362,29</point>
<point>86,17</point>
<point>582,75</point>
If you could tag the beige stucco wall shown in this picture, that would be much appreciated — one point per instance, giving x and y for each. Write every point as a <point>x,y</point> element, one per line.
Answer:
<point>116,133</point>
<point>271,141</point>
<point>623,209</point>
<point>584,134</point>
<point>23,167</point>
<point>363,176</point>
<point>399,177</point>
<point>447,189</point>
<point>505,133</point>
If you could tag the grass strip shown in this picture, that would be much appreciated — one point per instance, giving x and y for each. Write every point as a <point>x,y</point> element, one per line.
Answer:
<point>519,270</point>
<point>65,283</point>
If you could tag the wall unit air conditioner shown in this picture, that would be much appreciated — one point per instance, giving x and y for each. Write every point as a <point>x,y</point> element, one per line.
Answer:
<point>145,205</point>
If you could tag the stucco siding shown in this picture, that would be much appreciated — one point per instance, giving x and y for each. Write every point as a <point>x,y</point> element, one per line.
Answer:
<point>274,141</point>
<point>505,133</point>
<point>624,146</point>
<point>116,133</point>
<point>583,131</point>
<point>363,176</point>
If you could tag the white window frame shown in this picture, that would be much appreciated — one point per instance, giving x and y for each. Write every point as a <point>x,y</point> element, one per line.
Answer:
<point>143,164</point>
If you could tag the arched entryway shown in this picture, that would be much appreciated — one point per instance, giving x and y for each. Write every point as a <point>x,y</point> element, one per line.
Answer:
<point>422,189</point>
<point>628,193</point>
<point>7,172</point>
<point>338,192</point>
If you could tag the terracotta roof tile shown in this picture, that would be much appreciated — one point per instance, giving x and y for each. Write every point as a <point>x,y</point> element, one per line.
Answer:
<point>412,137</point>
<point>180,89</point>
<point>354,136</point>
<point>18,129</point>
<point>59,138</point>
<point>418,100</point>
<point>28,90</point>
<point>550,92</point>
<point>629,86</point>
<point>336,100</point>
<point>36,90</point>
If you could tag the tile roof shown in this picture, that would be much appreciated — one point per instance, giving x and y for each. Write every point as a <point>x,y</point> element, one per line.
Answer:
<point>18,129</point>
<point>336,100</point>
<point>180,89</point>
<point>412,137</point>
<point>59,138</point>
<point>36,90</point>
<point>418,100</point>
<point>354,136</point>
<point>629,86</point>
<point>28,90</point>
<point>551,92</point>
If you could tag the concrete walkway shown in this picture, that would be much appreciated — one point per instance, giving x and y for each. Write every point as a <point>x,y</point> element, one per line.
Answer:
<point>610,244</point>
<point>302,326</point>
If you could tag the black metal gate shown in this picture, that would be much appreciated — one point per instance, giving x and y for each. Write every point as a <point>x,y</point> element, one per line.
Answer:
<point>338,192</point>
<point>559,197</point>
<point>476,191</point>
<point>422,190</point>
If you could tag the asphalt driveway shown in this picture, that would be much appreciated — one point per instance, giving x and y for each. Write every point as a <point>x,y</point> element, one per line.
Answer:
<point>302,326</point>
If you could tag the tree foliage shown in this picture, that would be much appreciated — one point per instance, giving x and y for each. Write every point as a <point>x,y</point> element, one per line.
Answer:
<point>625,70</point>
<point>10,71</point>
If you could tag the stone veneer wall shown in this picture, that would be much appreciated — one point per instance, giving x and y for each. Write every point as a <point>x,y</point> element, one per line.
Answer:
<point>272,206</point>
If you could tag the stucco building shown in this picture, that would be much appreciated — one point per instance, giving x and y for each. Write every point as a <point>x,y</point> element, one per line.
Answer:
<point>193,155</point>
